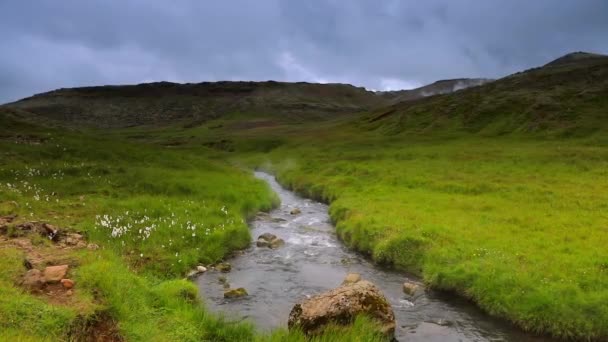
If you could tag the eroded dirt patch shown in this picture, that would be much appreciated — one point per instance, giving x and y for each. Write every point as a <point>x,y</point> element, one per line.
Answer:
<point>100,327</point>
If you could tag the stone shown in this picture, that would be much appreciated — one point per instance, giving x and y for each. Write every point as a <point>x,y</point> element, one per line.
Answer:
<point>50,230</point>
<point>262,215</point>
<point>341,306</point>
<point>33,280</point>
<point>67,283</point>
<point>54,274</point>
<point>235,293</point>
<point>5,220</point>
<point>278,220</point>
<point>351,278</point>
<point>73,239</point>
<point>197,271</point>
<point>410,288</point>
<point>276,243</point>
<point>267,237</point>
<point>222,280</point>
<point>223,267</point>
<point>295,211</point>
<point>92,246</point>
<point>69,293</point>
<point>262,243</point>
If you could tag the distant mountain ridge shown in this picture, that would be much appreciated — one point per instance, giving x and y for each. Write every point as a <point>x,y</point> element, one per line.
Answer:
<point>164,103</point>
<point>568,95</point>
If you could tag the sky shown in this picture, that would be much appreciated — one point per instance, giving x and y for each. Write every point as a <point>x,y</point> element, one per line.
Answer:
<point>377,44</point>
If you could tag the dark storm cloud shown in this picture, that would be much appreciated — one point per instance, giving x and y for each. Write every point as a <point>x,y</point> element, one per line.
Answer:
<point>48,44</point>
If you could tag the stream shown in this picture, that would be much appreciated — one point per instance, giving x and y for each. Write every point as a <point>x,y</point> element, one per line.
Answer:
<point>314,260</point>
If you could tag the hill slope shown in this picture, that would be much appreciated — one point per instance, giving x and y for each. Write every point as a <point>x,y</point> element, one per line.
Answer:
<point>435,88</point>
<point>567,96</point>
<point>165,103</point>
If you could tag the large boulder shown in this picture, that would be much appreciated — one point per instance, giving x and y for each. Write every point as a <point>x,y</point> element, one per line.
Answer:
<point>341,305</point>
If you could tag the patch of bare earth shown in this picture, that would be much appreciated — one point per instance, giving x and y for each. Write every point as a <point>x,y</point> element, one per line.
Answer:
<point>47,269</point>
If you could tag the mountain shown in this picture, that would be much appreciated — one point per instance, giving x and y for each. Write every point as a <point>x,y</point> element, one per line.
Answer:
<point>568,96</point>
<point>166,103</point>
<point>436,88</point>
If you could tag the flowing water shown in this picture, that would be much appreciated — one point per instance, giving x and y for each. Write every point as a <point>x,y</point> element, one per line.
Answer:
<point>313,260</point>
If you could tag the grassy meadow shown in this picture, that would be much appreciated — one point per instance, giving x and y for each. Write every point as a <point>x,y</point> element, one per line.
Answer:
<point>155,212</point>
<point>517,224</point>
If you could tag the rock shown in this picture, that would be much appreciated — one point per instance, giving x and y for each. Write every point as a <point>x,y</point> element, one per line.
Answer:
<point>267,237</point>
<point>295,211</point>
<point>54,274</point>
<point>44,229</point>
<point>50,230</point>
<point>278,220</point>
<point>222,280</point>
<point>33,280</point>
<point>198,271</point>
<point>262,243</point>
<point>223,267</point>
<point>262,215</point>
<point>276,243</point>
<point>410,288</point>
<point>69,293</point>
<point>67,283</point>
<point>74,239</point>
<point>235,293</point>
<point>269,240</point>
<point>92,247</point>
<point>351,278</point>
<point>340,306</point>
<point>5,220</point>
<point>226,285</point>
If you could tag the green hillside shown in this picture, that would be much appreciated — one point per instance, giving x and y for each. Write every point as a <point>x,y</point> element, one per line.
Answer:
<point>165,103</point>
<point>563,98</point>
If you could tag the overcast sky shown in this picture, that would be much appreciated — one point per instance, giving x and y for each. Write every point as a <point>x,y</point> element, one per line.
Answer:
<point>392,44</point>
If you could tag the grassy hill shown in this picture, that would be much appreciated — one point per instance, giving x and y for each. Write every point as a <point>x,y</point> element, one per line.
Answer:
<point>163,103</point>
<point>567,97</point>
<point>435,88</point>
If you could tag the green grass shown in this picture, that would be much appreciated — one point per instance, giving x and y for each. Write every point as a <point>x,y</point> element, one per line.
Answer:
<point>156,212</point>
<point>194,209</point>
<point>519,225</point>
